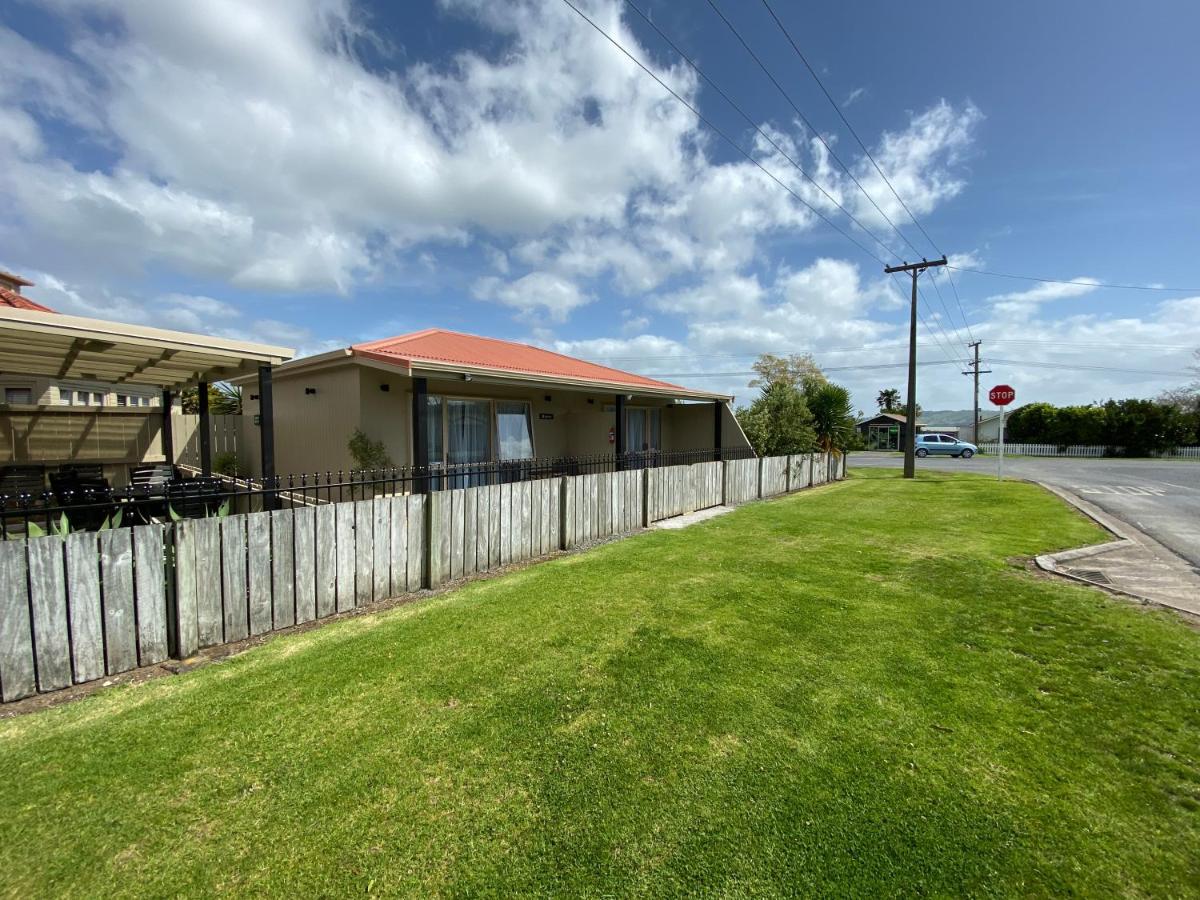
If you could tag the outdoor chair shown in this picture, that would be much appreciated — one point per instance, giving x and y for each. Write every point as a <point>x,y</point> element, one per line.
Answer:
<point>84,494</point>
<point>194,498</point>
<point>17,480</point>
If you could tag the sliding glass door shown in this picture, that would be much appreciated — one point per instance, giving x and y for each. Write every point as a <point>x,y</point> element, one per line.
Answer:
<point>466,433</point>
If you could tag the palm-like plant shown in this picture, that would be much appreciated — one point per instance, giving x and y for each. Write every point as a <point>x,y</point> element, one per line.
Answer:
<point>832,416</point>
<point>888,400</point>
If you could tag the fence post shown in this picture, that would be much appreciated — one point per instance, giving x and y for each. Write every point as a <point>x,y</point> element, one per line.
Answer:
<point>434,517</point>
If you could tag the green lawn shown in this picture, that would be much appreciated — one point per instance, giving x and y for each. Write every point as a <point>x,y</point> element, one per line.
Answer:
<point>856,690</point>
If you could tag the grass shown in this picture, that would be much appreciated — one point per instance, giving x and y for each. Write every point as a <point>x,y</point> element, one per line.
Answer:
<point>848,691</point>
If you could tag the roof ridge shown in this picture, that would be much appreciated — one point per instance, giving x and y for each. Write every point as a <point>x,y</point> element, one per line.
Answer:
<point>400,346</point>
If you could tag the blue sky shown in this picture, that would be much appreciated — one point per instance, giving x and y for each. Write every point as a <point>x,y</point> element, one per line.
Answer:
<point>318,173</point>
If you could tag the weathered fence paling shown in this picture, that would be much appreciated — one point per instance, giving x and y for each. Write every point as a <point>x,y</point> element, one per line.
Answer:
<point>77,608</point>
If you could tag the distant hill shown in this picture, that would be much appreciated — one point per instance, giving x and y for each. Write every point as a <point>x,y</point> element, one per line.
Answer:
<point>947,417</point>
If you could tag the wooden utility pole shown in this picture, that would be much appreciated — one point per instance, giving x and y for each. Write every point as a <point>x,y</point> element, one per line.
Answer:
<point>910,423</point>
<point>976,371</point>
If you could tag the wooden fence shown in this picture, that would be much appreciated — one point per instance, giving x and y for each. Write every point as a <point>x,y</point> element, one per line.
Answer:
<point>93,604</point>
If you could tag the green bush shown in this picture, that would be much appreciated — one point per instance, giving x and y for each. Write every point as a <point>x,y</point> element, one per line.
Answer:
<point>225,463</point>
<point>366,453</point>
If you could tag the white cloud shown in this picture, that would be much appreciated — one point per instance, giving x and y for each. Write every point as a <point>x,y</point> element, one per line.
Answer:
<point>1017,305</point>
<point>251,144</point>
<point>534,293</point>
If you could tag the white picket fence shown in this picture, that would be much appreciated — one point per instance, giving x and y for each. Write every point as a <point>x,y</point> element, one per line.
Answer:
<point>93,604</point>
<point>1080,450</point>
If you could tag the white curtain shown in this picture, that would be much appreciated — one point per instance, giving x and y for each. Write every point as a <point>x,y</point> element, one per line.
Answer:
<point>514,431</point>
<point>467,437</point>
<point>635,430</point>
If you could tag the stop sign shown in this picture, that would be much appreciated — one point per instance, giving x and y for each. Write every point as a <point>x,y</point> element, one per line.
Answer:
<point>1002,395</point>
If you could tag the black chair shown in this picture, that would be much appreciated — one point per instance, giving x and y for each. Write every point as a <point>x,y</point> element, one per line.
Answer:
<point>22,479</point>
<point>194,498</point>
<point>84,494</point>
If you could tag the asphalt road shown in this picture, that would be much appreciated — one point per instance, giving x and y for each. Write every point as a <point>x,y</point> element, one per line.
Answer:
<point>1161,498</point>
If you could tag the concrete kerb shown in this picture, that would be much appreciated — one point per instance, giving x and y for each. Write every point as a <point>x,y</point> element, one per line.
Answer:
<point>1050,562</point>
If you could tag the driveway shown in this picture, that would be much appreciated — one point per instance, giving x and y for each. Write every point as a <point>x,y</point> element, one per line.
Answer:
<point>1161,498</point>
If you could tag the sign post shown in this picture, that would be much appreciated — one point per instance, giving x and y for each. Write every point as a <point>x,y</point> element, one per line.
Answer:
<point>1001,395</point>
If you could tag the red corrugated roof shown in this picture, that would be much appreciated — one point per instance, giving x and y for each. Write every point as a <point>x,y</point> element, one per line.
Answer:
<point>454,348</point>
<point>19,301</point>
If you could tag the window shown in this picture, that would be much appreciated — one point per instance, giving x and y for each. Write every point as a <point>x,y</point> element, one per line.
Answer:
<point>643,430</point>
<point>514,430</point>
<point>65,396</point>
<point>22,396</point>
<point>467,431</point>
<point>122,400</point>
<point>97,398</point>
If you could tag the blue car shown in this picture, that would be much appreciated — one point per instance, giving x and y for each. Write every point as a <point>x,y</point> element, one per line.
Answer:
<point>944,445</point>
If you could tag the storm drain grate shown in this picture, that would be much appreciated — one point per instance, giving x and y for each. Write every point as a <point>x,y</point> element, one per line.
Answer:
<point>1094,575</point>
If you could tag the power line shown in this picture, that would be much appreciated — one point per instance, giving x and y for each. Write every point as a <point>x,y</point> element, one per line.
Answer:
<point>841,115</point>
<point>1099,284</point>
<point>786,96</point>
<point>744,152</point>
<point>871,348</point>
<point>864,367</point>
<point>750,121</point>
<point>817,134</point>
<point>1076,367</point>
<point>1037,364</point>
<point>720,132</point>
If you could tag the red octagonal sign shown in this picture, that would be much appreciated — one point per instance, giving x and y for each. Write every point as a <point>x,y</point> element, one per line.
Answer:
<point>1002,395</point>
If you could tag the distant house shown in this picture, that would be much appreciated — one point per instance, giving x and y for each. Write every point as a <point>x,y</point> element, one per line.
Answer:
<point>18,390</point>
<point>989,426</point>
<point>443,398</point>
<point>885,431</point>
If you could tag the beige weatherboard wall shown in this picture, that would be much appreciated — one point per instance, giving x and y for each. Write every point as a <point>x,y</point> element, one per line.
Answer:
<point>320,401</point>
<point>53,352</point>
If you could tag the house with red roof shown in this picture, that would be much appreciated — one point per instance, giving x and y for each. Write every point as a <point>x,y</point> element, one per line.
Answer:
<point>443,398</point>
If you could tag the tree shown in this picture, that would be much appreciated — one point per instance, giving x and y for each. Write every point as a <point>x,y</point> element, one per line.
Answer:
<point>1033,423</point>
<point>798,370</point>
<point>223,400</point>
<point>888,401</point>
<point>832,417</point>
<point>778,421</point>
<point>1143,427</point>
<point>1186,400</point>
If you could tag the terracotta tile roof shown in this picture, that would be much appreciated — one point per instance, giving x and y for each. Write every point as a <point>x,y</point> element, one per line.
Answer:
<point>19,301</point>
<point>454,348</point>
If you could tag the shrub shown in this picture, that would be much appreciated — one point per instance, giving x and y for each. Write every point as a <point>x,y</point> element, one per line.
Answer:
<point>225,463</point>
<point>366,453</point>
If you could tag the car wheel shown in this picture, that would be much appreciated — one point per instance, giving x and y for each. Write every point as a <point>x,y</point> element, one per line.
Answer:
<point>967,454</point>
<point>922,453</point>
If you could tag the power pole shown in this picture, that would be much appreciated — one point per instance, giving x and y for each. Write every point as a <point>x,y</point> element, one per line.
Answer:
<point>910,423</point>
<point>976,371</point>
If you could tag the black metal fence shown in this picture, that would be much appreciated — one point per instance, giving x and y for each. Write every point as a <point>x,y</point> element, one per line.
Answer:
<point>27,511</point>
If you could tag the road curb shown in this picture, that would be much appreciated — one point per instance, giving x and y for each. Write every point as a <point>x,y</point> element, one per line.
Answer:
<point>1049,562</point>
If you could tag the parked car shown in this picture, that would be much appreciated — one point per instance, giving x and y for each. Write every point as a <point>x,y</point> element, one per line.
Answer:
<point>944,445</point>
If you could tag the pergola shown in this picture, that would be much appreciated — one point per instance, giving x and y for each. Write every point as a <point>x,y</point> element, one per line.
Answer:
<point>71,347</point>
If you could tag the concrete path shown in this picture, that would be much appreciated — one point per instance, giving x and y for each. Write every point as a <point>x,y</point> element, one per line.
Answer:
<point>1134,564</point>
<point>692,518</point>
